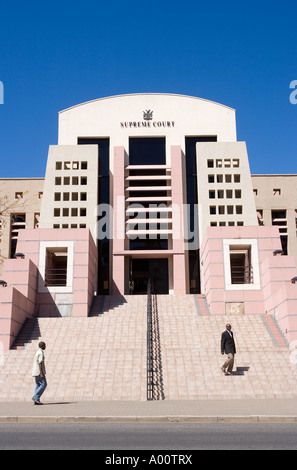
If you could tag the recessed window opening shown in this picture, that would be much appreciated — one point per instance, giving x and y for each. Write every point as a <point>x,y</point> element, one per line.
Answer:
<point>147,151</point>
<point>56,266</point>
<point>228,178</point>
<point>240,264</point>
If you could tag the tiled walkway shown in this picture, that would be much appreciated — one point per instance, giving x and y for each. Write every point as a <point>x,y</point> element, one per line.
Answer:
<point>105,358</point>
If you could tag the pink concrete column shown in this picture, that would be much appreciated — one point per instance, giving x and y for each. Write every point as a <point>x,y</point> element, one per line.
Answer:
<point>179,259</point>
<point>118,264</point>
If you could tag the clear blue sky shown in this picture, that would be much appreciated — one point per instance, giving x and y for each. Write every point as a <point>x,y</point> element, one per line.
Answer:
<point>56,54</point>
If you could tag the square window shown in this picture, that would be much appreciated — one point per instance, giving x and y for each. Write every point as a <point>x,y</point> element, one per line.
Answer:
<point>57,212</point>
<point>211,178</point>
<point>67,165</point>
<point>228,178</point>
<point>238,209</point>
<point>66,180</point>
<point>219,178</point>
<point>229,193</point>
<point>212,194</point>
<point>227,163</point>
<point>238,193</point>
<point>83,212</point>
<point>236,178</point>
<point>58,181</point>
<point>66,196</point>
<point>210,163</point>
<point>65,212</point>
<point>219,163</point>
<point>229,209</point>
<point>84,165</point>
<point>57,196</point>
<point>83,180</point>
<point>235,162</point>
<point>74,212</point>
<point>74,180</point>
<point>221,210</point>
<point>74,196</point>
<point>83,196</point>
<point>277,192</point>
<point>75,165</point>
<point>19,195</point>
<point>58,165</point>
<point>212,210</point>
<point>221,194</point>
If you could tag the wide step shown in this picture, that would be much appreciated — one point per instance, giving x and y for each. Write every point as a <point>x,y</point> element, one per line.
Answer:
<point>105,357</point>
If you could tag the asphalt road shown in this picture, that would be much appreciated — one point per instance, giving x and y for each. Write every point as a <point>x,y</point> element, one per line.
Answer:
<point>133,437</point>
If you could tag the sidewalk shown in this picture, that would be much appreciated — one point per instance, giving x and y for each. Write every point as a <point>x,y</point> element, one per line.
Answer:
<point>191,411</point>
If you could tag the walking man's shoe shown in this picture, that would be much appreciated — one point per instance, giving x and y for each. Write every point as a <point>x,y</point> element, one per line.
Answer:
<point>36,402</point>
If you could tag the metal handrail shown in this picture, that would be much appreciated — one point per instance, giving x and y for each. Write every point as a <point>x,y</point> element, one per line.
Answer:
<point>242,275</point>
<point>149,344</point>
<point>56,276</point>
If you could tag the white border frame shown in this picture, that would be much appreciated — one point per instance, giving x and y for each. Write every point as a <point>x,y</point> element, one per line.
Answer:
<point>42,288</point>
<point>253,243</point>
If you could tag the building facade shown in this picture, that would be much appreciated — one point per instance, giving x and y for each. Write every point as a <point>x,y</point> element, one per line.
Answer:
<point>147,174</point>
<point>151,187</point>
<point>20,204</point>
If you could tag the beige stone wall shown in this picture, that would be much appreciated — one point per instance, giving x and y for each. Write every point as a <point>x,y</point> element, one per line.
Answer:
<point>225,192</point>
<point>18,196</point>
<point>278,193</point>
<point>70,188</point>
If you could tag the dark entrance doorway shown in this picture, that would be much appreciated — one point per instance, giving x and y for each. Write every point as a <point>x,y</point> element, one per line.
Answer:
<point>141,270</point>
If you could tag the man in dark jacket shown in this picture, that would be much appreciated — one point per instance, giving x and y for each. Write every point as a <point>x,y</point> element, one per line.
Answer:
<point>228,347</point>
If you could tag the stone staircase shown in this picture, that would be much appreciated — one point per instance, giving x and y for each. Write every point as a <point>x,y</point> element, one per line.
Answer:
<point>104,356</point>
<point>192,360</point>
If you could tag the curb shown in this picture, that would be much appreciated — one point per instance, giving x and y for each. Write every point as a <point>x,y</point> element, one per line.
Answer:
<point>149,419</point>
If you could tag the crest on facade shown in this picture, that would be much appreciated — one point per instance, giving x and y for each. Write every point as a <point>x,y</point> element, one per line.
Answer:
<point>148,115</point>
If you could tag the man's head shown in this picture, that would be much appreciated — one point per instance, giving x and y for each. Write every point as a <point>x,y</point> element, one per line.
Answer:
<point>228,326</point>
<point>42,345</point>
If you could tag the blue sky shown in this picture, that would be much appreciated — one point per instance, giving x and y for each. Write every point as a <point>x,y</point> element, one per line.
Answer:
<point>56,54</point>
